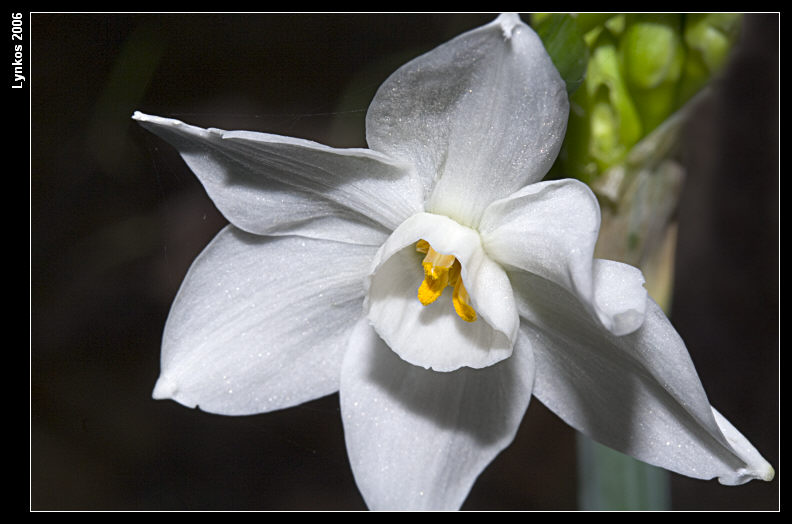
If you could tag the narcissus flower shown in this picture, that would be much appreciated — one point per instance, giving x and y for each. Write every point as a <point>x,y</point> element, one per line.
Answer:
<point>435,282</point>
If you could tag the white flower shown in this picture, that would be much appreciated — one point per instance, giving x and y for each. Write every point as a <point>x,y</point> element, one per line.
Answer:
<point>332,277</point>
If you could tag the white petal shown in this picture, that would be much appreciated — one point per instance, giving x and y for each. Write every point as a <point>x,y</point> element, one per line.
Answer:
<point>621,303</point>
<point>756,465</point>
<point>434,336</point>
<point>480,117</point>
<point>261,323</point>
<point>274,185</point>
<point>418,439</point>
<point>638,393</point>
<point>550,229</point>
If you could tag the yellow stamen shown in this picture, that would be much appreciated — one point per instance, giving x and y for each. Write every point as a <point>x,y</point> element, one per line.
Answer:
<point>462,303</point>
<point>436,268</point>
<point>422,246</point>
<point>441,271</point>
<point>433,285</point>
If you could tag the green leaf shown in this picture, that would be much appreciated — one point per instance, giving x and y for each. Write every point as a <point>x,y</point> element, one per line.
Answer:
<point>564,43</point>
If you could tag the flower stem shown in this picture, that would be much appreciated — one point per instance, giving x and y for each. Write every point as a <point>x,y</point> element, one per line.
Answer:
<point>609,480</point>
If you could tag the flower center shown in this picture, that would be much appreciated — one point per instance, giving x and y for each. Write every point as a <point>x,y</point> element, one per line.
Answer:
<point>441,271</point>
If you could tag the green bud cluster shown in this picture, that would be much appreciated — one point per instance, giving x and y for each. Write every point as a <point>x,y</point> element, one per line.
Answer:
<point>641,68</point>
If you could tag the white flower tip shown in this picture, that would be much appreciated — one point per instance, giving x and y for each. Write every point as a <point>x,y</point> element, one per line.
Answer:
<point>756,467</point>
<point>769,474</point>
<point>143,117</point>
<point>507,22</point>
<point>164,389</point>
<point>745,475</point>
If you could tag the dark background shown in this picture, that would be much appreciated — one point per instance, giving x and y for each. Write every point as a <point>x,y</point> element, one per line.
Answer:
<point>117,218</point>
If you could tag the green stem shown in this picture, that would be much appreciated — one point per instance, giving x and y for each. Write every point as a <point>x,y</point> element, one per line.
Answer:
<point>609,480</point>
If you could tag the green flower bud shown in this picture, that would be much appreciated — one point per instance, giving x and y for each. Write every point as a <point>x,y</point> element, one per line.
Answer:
<point>709,39</point>
<point>653,58</point>
<point>711,36</point>
<point>615,24</point>
<point>603,122</point>
<point>641,69</point>
<point>651,49</point>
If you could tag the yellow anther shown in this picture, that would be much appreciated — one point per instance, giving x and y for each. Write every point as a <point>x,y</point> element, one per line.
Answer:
<point>436,268</point>
<point>432,288</point>
<point>462,303</point>
<point>441,271</point>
